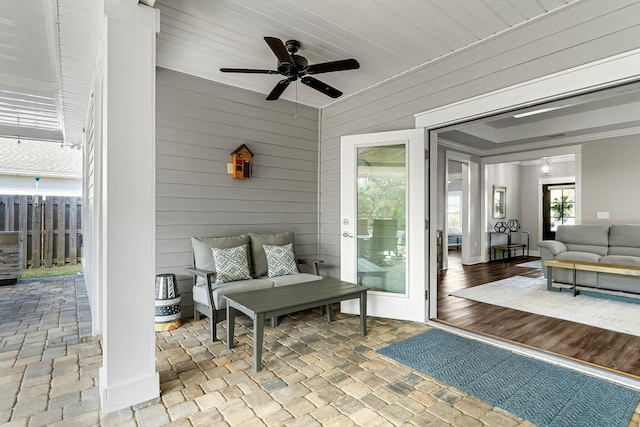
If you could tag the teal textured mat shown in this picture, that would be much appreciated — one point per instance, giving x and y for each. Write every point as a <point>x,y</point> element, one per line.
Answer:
<point>540,392</point>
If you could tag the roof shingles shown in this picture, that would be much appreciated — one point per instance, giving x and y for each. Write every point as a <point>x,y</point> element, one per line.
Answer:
<point>41,157</point>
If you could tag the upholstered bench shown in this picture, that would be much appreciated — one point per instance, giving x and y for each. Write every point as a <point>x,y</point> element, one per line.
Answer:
<point>227,265</point>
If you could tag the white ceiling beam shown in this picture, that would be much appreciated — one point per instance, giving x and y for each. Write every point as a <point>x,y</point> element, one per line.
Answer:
<point>35,87</point>
<point>31,133</point>
<point>52,25</point>
<point>481,130</point>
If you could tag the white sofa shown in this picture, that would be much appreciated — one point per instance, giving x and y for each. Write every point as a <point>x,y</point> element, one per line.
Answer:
<point>208,293</point>
<point>615,244</point>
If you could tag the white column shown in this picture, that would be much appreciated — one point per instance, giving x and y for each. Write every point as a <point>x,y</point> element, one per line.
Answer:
<point>128,374</point>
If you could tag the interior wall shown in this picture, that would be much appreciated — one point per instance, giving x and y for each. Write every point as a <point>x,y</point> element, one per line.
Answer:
<point>506,175</point>
<point>580,33</point>
<point>610,176</point>
<point>199,124</point>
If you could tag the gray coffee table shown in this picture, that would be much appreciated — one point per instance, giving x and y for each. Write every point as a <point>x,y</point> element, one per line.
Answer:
<point>269,303</point>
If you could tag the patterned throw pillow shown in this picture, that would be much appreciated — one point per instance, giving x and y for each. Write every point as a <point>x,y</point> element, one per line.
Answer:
<point>280,260</point>
<point>231,264</point>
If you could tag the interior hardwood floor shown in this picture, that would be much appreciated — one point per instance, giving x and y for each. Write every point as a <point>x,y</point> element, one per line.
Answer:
<point>607,349</point>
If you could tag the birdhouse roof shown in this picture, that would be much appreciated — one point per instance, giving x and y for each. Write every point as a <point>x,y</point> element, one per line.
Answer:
<point>241,149</point>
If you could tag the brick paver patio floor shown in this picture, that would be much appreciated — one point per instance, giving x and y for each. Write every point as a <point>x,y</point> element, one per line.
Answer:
<point>314,374</point>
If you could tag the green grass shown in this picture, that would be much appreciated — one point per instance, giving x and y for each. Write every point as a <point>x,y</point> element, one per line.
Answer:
<point>64,270</point>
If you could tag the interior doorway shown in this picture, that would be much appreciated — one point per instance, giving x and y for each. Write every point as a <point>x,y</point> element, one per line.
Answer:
<point>455,211</point>
<point>558,207</point>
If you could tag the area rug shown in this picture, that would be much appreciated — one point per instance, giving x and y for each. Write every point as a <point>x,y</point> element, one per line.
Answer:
<point>531,295</point>
<point>540,392</point>
<point>531,264</point>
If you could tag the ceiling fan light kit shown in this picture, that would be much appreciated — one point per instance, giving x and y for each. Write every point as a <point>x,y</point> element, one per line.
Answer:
<point>295,67</point>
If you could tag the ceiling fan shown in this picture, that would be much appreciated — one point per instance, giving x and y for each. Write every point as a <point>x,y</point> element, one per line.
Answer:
<point>294,66</point>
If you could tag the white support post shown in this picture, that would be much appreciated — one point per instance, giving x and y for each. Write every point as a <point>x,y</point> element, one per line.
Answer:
<point>128,375</point>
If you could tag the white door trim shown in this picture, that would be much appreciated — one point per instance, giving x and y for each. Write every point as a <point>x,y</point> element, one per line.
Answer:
<point>607,72</point>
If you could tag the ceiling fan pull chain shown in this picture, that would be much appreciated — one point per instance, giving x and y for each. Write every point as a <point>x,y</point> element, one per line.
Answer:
<point>296,115</point>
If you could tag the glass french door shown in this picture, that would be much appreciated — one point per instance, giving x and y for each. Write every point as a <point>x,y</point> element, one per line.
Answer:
<point>383,212</point>
<point>558,204</point>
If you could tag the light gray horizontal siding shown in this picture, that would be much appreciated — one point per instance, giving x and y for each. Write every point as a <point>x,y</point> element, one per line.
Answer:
<point>582,33</point>
<point>198,124</point>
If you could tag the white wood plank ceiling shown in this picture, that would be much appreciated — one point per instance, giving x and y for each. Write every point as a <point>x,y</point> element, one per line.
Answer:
<point>48,47</point>
<point>199,37</point>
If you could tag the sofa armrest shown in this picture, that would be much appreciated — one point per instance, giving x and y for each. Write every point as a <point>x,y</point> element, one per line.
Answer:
<point>551,247</point>
<point>312,262</point>
<point>210,278</point>
<point>205,274</point>
<point>208,275</point>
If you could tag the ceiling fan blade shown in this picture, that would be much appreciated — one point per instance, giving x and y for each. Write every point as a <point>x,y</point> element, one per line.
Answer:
<point>277,91</point>
<point>279,49</point>
<point>320,86</point>
<point>247,70</point>
<point>326,67</point>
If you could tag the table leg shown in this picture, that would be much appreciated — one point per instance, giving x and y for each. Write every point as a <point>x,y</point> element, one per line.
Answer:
<point>258,336</point>
<point>329,313</point>
<point>549,278</point>
<point>231,323</point>
<point>363,313</point>
<point>574,281</point>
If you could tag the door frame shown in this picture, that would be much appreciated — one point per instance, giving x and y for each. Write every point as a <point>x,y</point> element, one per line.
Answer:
<point>601,74</point>
<point>411,305</point>
<point>465,218</point>
<point>557,180</point>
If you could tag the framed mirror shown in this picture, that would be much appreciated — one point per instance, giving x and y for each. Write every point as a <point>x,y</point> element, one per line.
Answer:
<point>499,201</point>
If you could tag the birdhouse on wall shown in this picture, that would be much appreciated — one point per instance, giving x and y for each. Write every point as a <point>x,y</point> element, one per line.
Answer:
<point>241,160</point>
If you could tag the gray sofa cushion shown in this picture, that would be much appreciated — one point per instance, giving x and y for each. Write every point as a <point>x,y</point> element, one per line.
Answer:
<point>620,260</point>
<point>585,238</point>
<point>219,291</point>
<point>258,257</point>
<point>624,240</point>
<point>618,282</point>
<point>202,254</point>
<point>583,278</point>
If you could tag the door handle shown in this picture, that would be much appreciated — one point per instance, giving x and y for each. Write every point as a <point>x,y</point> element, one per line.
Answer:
<point>346,234</point>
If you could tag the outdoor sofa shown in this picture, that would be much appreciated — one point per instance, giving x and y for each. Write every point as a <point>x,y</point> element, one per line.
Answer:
<point>227,265</point>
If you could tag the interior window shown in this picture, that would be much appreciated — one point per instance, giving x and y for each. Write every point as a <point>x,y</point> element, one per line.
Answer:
<point>454,208</point>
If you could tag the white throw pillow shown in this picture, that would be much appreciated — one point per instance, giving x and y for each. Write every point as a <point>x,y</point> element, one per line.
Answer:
<point>280,260</point>
<point>231,264</point>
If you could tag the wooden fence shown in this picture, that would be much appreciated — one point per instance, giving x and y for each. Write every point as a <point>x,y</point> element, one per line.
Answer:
<point>51,232</point>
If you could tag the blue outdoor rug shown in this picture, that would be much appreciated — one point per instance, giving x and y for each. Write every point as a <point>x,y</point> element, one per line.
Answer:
<point>540,392</point>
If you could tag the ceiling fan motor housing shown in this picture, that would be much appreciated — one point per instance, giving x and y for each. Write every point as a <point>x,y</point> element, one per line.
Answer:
<point>297,68</point>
